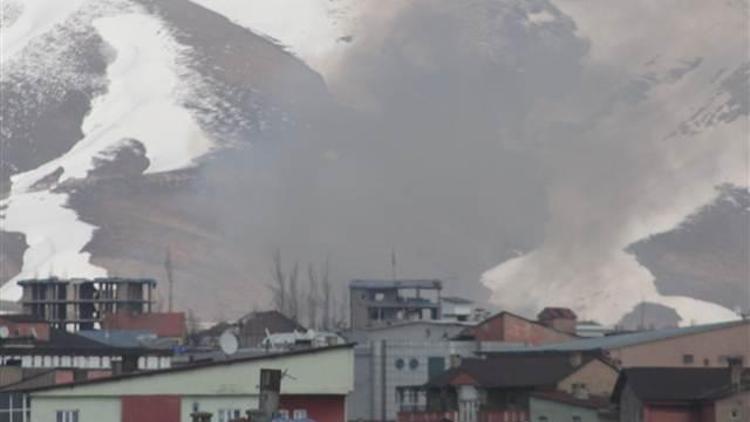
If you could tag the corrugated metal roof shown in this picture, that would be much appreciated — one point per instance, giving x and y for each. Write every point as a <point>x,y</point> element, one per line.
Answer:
<point>625,340</point>
<point>675,384</point>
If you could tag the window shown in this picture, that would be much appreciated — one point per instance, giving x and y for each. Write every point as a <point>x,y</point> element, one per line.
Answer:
<point>413,364</point>
<point>67,416</point>
<point>543,419</point>
<point>227,415</point>
<point>687,359</point>
<point>299,414</point>
<point>283,414</point>
<point>13,407</point>
<point>400,364</point>
<point>576,419</point>
<point>435,366</point>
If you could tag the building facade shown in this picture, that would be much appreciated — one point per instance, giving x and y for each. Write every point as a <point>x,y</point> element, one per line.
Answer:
<point>315,384</point>
<point>81,304</point>
<point>383,302</point>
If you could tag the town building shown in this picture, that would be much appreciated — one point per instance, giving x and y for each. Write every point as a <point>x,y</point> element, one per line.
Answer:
<point>167,325</point>
<point>659,394</point>
<point>550,406</point>
<point>251,329</point>
<point>511,329</point>
<point>383,302</point>
<point>698,346</point>
<point>501,388</point>
<point>594,329</point>
<point>254,327</point>
<point>407,353</point>
<point>33,353</point>
<point>456,309</point>
<point>81,304</point>
<point>315,385</point>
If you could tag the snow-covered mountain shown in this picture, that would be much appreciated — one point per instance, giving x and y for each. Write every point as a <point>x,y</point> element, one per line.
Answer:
<point>553,138</point>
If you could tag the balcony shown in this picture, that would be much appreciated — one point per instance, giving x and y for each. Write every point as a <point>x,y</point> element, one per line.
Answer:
<point>415,415</point>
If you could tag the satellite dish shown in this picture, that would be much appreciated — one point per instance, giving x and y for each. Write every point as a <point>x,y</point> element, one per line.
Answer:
<point>228,343</point>
<point>4,331</point>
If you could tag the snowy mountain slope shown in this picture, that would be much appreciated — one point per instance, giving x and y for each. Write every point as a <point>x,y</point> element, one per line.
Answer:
<point>675,86</point>
<point>478,129</point>
<point>317,31</point>
<point>145,97</point>
<point>707,254</point>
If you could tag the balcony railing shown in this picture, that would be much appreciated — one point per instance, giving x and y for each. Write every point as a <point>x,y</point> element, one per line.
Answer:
<point>427,416</point>
<point>484,416</point>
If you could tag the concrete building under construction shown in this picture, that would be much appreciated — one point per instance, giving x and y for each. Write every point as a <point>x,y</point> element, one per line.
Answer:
<point>384,302</point>
<point>80,304</point>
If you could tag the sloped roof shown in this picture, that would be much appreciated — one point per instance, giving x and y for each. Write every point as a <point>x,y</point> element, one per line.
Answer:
<point>62,342</point>
<point>256,323</point>
<point>512,371</point>
<point>674,384</point>
<point>624,340</point>
<point>188,368</point>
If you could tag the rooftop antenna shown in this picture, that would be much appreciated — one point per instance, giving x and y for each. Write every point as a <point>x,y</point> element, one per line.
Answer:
<point>170,278</point>
<point>393,264</point>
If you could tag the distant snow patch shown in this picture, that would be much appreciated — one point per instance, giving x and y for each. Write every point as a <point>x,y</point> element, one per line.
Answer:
<point>143,102</point>
<point>36,18</point>
<point>314,30</point>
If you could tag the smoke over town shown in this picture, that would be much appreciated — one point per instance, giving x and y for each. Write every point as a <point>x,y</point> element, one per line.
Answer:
<point>508,133</point>
<point>514,149</point>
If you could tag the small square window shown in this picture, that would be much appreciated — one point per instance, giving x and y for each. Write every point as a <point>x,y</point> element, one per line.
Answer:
<point>300,414</point>
<point>688,359</point>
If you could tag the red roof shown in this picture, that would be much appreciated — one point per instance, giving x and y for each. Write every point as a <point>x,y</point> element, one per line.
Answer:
<point>162,324</point>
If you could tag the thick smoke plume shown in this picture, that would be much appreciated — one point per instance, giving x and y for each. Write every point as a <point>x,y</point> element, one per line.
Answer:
<point>484,130</point>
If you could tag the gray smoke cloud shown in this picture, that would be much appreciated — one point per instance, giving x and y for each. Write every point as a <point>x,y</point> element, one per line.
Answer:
<point>469,134</point>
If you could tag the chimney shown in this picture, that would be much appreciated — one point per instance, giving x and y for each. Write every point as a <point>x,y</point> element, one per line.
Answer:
<point>560,319</point>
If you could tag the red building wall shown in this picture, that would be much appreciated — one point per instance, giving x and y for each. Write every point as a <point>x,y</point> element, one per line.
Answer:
<point>511,328</point>
<point>38,330</point>
<point>321,408</point>
<point>150,408</point>
<point>677,413</point>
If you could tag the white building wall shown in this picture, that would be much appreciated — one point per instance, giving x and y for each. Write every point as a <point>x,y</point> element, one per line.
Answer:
<point>238,378</point>
<point>215,404</point>
<point>415,357</point>
<point>94,409</point>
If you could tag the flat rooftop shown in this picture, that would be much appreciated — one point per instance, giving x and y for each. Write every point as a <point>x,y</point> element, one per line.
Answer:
<point>98,280</point>
<point>375,284</point>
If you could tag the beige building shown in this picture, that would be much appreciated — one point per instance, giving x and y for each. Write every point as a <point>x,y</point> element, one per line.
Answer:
<point>316,383</point>
<point>697,346</point>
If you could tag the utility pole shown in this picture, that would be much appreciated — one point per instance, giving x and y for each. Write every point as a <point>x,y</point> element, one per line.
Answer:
<point>170,279</point>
